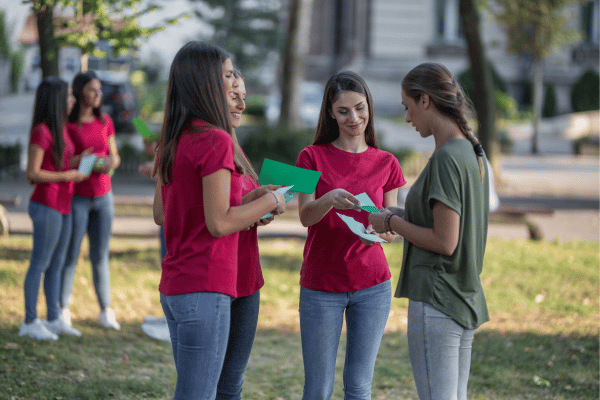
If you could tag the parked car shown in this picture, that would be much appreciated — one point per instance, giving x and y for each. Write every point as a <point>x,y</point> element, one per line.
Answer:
<point>118,99</point>
<point>312,95</point>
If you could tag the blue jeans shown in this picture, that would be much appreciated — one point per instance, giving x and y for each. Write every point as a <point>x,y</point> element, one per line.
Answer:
<point>51,236</point>
<point>199,329</point>
<point>244,318</point>
<point>94,216</point>
<point>440,353</point>
<point>321,319</point>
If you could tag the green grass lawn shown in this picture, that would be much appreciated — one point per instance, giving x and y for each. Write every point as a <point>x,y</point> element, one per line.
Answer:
<point>542,341</point>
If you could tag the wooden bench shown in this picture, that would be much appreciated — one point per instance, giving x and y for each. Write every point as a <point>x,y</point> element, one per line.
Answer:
<point>518,214</point>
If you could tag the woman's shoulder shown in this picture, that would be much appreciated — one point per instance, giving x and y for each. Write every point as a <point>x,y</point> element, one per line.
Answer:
<point>41,129</point>
<point>198,130</point>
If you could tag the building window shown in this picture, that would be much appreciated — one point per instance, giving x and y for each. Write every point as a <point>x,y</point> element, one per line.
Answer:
<point>448,27</point>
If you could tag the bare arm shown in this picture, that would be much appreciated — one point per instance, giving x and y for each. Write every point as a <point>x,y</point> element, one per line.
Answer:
<point>390,199</point>
<point>35,173</point>
<point>221,218</point>
<point>441,239</point>
<point>157,205</point>
<point>312,210</point>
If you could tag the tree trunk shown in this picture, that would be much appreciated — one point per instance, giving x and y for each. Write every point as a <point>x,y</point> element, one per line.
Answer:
<point>296,49</point>
<point>46,40</point>
<point>538,88</point>
<point>483,95</point>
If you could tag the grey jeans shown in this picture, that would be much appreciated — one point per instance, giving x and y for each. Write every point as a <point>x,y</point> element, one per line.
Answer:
<point>440,353</point>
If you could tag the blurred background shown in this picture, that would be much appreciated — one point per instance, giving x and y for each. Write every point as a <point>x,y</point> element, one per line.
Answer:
<point>530,67</point>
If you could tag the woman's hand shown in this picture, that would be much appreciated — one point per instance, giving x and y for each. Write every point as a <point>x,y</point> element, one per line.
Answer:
<point>259,192</point>
<point>377,221</point>
<point>265,221</point>
<point>369,230</point>
<point>75,176</point>
<point>280,207</point>
<point>343,200</point>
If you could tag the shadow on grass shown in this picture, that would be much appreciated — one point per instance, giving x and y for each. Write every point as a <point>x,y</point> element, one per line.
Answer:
<point>128,365</point>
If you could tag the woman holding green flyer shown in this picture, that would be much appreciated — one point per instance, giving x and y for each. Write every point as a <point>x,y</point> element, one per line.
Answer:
<point>343,273</point>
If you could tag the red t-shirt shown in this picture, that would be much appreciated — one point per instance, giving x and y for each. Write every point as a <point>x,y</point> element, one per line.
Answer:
<point>250,278</point>
<point>93,134</point>
<point>196,260</point>
<point>56,195</point>
<point>335,260</point>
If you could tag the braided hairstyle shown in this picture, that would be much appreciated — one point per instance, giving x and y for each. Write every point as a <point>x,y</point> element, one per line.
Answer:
<point>447,96</point>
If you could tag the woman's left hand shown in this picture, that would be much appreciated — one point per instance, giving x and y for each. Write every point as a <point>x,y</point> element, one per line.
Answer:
<point>265,221</point>
<point>366,241</point>
<point>377,221</point>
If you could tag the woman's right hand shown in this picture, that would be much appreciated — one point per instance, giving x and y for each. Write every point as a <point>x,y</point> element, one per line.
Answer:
<point>343,200</point>
<point>76,176</point>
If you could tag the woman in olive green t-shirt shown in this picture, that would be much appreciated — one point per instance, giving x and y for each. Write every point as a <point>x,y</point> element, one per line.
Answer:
<point>445,231</point>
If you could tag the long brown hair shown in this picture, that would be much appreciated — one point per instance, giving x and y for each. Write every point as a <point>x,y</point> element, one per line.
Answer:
<point>51,109</point>
<point>447,96</point>
<point>327,127</point>
<point>195,90</point>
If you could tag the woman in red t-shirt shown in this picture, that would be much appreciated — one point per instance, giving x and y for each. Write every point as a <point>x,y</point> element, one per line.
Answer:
<point>93,205</point>
<point>198,201</point>
<point>341,272</point>
<point>49,166</point>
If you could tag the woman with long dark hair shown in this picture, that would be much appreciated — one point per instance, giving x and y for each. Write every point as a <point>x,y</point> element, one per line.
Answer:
<point>343,274</point>
<point>93,205</point>
<point>50,167</point>
<point>198,200</point>
<point>445,230</point>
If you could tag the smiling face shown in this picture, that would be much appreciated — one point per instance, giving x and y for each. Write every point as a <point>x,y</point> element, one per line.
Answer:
<point>236,101</point>
<point>91,94</point>
<point>351,112</point>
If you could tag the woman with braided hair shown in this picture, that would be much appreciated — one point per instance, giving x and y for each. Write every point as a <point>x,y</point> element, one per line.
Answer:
<point>445,230</point>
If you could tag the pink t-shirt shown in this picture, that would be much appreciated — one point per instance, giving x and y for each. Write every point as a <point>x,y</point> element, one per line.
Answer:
<point>93,134</point>
<point>56,195</point>
<point>196,260</point>
<point>250,278</point>
<point>335,260</point>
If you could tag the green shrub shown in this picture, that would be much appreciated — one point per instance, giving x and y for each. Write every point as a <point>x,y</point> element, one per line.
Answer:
<point>255,106</point>
<point>584,93</point>
<point>263,141</point>
<point>506,106</point>
<point>466,81</point>
<point>549,109</point>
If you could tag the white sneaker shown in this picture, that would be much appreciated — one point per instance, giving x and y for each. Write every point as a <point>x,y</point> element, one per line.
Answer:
<point>59,326</point>
<point>108,320</point>
<point>36,330</point>
<point>65,314</point>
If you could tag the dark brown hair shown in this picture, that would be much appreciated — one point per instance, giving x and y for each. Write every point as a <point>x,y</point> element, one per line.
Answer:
<point>195,90</point>
<point>447,96</point>
<point>51,109</point>
<point>327,127</point>
<point>244,160</point>
<point>79,83</point>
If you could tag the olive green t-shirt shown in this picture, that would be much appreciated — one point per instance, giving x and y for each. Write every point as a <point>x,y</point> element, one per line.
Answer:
<point>451,284</point>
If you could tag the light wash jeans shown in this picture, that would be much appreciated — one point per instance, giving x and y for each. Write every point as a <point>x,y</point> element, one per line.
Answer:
<point>199,330</point>
<point>244,318</point>
<point>440,353</point>
<point>94,216</point>
<point>51,236</point>
<point>321,318</point>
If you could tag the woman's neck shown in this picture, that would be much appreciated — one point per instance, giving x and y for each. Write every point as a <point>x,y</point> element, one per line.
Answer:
<point>351,145</point>
<point>86,114</point>
<point>445,129</point>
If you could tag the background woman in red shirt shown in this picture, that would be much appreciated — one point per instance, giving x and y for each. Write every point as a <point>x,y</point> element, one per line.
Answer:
<point>198,201</point>
<point>49,166</point>
<point>93,205</point>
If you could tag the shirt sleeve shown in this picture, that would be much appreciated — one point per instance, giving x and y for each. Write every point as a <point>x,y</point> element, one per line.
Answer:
<point>396,178</point>
<point>218,153</point>
<point>110,125</point>
<point>445,182</point>
<point>305,159</point>
<point>42,137</point>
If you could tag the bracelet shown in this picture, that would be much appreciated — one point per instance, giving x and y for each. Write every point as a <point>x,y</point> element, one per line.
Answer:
<point>386,223</point>
<point>276,202</point>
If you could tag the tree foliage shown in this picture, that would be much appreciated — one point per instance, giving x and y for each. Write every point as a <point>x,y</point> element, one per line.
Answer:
<point>248,30</point>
